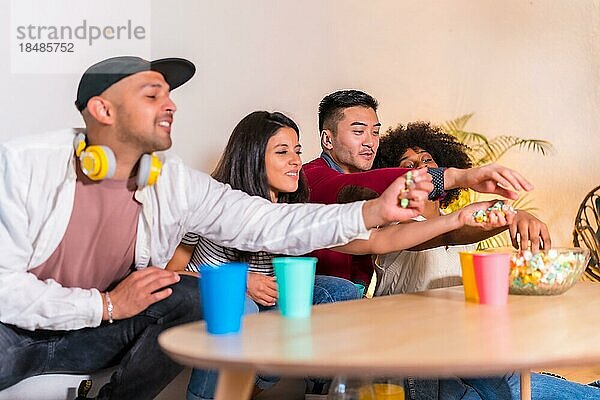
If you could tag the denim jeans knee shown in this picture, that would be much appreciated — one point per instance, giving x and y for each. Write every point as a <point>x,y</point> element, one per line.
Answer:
<point>330,289</point>
<point>543,387</point>
<point>22,355</point>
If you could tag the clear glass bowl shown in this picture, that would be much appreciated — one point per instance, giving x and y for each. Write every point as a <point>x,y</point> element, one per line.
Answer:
<point>548,272</point>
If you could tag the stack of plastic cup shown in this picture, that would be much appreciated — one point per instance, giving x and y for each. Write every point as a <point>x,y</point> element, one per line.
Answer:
<point>485,277</point>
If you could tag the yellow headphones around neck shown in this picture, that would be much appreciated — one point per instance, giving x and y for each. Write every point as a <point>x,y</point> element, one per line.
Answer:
<point>98,162</point>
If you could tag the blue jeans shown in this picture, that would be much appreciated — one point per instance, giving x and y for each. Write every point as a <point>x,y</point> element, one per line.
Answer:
<point>131,344</point>
<point>507,387</point>
<point>327,289</point>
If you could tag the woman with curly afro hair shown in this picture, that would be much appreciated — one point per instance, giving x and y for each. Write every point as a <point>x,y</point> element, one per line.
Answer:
<point>418,145</point>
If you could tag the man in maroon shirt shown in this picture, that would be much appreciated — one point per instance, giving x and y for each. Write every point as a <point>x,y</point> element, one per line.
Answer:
<point>349,129</point>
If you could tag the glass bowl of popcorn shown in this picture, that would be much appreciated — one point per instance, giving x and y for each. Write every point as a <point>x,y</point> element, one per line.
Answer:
<point>548,272</point>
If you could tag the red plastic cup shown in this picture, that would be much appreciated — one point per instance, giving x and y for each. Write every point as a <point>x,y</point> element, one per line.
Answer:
<point>491,274</point>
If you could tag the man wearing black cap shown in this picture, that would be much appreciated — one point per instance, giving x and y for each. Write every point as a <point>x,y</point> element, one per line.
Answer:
<point>81,210</point>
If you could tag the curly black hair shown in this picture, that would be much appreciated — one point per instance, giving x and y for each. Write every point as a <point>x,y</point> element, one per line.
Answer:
<point>445,149</point>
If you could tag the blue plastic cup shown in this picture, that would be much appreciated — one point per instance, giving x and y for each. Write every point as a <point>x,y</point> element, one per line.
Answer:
<point>295,282</point>
<point>223,292</point>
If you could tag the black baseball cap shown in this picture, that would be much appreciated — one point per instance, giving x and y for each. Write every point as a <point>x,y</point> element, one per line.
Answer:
<point>100,76</point>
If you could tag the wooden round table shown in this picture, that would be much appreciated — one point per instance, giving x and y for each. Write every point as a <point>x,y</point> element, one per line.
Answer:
<point>429,334</point>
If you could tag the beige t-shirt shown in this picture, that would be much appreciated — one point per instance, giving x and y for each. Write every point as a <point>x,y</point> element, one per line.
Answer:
<point>98,247</point>
<point>415,271</point>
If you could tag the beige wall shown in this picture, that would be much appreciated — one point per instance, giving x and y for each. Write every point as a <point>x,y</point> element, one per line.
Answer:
<point>525,68</point>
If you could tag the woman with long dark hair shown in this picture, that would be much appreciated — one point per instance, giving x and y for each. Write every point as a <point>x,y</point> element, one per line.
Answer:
<point>262,158</point>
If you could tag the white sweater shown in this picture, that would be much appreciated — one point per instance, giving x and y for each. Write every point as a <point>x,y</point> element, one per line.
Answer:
<point>37,189</point>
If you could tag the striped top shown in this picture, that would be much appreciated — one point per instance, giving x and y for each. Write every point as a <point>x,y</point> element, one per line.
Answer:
<point>207,252</point>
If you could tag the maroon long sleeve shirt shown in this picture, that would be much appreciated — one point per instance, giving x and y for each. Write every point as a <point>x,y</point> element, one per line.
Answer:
<point>325,185</point>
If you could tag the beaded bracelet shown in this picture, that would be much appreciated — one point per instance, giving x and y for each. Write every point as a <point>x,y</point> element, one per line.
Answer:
<point>109,308</point>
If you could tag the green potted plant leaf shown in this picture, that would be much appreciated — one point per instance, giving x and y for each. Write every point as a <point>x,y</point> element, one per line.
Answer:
<point>484,150</point>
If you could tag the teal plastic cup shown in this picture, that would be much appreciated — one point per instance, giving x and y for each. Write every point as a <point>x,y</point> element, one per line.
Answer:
<point>295,281</point>
<point>223,293</point>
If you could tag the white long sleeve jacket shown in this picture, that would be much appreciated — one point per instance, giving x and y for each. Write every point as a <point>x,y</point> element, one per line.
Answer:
<point>37,189</point>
